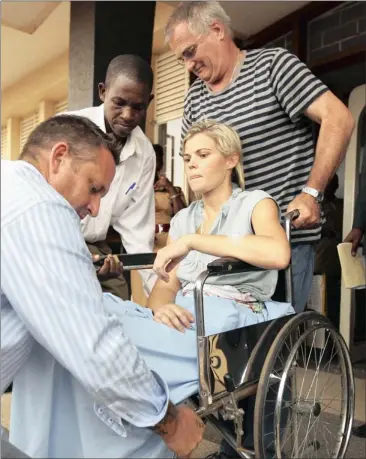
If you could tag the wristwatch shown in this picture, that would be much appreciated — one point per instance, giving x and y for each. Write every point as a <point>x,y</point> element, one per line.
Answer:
<point>318,195</point>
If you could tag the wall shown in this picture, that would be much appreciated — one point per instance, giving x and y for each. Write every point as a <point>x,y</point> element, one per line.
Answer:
<point>47,82</point>
<point>338,30</point>
<point>36,97</point>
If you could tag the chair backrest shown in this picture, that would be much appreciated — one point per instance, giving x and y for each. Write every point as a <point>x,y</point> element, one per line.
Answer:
<point>280,292</point>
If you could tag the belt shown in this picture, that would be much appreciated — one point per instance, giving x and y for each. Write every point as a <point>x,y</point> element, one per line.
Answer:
<point>162,228</point>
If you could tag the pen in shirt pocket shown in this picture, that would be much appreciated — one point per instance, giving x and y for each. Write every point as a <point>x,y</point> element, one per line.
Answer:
<point>131,187</point>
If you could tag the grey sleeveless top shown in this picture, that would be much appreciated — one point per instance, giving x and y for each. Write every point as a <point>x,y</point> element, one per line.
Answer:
<point>234,220</point>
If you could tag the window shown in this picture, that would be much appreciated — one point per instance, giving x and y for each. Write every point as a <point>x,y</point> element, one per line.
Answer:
<point>61,107</point>
<point>26,127</point>
<point>172,82</point>
<point>4,141</point>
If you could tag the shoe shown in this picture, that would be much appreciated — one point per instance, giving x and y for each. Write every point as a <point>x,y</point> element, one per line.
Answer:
<point>360,431</point>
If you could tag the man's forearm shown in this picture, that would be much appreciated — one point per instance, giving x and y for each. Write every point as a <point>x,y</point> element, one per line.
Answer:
<point>331,148</point>
<point>168,425</point>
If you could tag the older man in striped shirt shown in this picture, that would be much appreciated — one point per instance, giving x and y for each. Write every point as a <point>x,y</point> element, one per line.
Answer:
<point>53,319</point>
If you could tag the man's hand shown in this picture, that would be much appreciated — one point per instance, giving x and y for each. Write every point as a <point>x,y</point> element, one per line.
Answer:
<point>111,268</point>
<point>173,316</point>
<point>354,237</point>
<point>181,429</point>
<point>309,211</point>
<point>170,256</point>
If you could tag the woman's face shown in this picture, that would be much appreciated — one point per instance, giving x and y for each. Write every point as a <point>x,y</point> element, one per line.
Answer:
<point>205,167</point>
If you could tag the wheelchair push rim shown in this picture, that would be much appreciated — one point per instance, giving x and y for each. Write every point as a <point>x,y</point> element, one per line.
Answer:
<point>303,409</point>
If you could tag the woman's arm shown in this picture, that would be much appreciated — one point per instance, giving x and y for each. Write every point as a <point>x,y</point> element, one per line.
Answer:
<point>161,302</point>
<point>268,248</point>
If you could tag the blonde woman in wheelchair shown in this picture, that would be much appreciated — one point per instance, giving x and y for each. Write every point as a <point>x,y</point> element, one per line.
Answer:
<point>226,221</point>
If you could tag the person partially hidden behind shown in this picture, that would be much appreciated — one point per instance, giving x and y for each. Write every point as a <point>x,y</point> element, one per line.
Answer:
<point>169,200</point>
<point>94,395</point>
<point>326,253</point>
<point>355,237</point>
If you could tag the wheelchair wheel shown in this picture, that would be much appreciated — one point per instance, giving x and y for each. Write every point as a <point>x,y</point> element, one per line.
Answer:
<point>305,399</point>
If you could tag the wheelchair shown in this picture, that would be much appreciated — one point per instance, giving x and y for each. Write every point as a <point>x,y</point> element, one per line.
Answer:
<point>298,367</point>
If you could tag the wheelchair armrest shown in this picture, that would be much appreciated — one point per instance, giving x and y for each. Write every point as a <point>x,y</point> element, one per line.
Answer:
<point>227,265</point>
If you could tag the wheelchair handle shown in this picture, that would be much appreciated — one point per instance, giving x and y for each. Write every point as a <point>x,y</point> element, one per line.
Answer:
<point>288,219</point>
<point>293,215</point>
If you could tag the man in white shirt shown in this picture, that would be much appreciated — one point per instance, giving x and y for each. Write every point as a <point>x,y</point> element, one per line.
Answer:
<point>129,206</point>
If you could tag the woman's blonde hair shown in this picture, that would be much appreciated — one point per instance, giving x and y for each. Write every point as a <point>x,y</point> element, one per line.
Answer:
<point>227,142</point>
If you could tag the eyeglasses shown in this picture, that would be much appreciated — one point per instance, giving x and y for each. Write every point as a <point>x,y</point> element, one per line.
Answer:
<point>189,52</point>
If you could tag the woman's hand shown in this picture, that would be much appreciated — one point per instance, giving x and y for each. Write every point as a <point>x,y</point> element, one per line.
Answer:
<point>170,256</point>
<point>173,316</point>
<point>111,269</point>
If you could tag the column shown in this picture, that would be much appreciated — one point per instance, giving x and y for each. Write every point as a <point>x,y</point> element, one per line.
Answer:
<point>99,31</point>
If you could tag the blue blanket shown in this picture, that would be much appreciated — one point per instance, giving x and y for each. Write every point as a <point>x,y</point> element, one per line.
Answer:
<point>172,354</point>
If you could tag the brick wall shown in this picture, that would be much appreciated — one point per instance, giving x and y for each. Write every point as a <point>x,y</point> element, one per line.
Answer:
<point>282,42</point>
<point>338,30</point>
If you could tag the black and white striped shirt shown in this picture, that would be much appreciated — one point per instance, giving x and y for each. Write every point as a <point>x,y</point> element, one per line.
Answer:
<point>265,104</point>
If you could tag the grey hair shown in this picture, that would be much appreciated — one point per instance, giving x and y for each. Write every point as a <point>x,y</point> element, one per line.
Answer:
<point>199,17</point>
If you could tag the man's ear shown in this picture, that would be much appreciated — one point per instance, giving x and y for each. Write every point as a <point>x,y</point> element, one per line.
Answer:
<point>151,97</point>
<point>60,153</point>
<point>218,29</point>
<point>101,90</point>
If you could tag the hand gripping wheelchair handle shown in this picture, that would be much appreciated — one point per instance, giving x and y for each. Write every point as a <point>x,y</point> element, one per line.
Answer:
<point>228,265</point>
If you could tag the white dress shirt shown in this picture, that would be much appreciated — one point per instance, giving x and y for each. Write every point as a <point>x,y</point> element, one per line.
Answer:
<point>129,205</point>
<point>53,313</point>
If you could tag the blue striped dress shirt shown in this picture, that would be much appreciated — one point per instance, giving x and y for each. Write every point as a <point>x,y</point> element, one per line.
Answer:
<point>52,308</point>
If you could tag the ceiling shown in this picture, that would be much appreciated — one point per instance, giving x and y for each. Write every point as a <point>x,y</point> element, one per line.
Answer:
<point>32,33</point>
<point>26,17</point>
